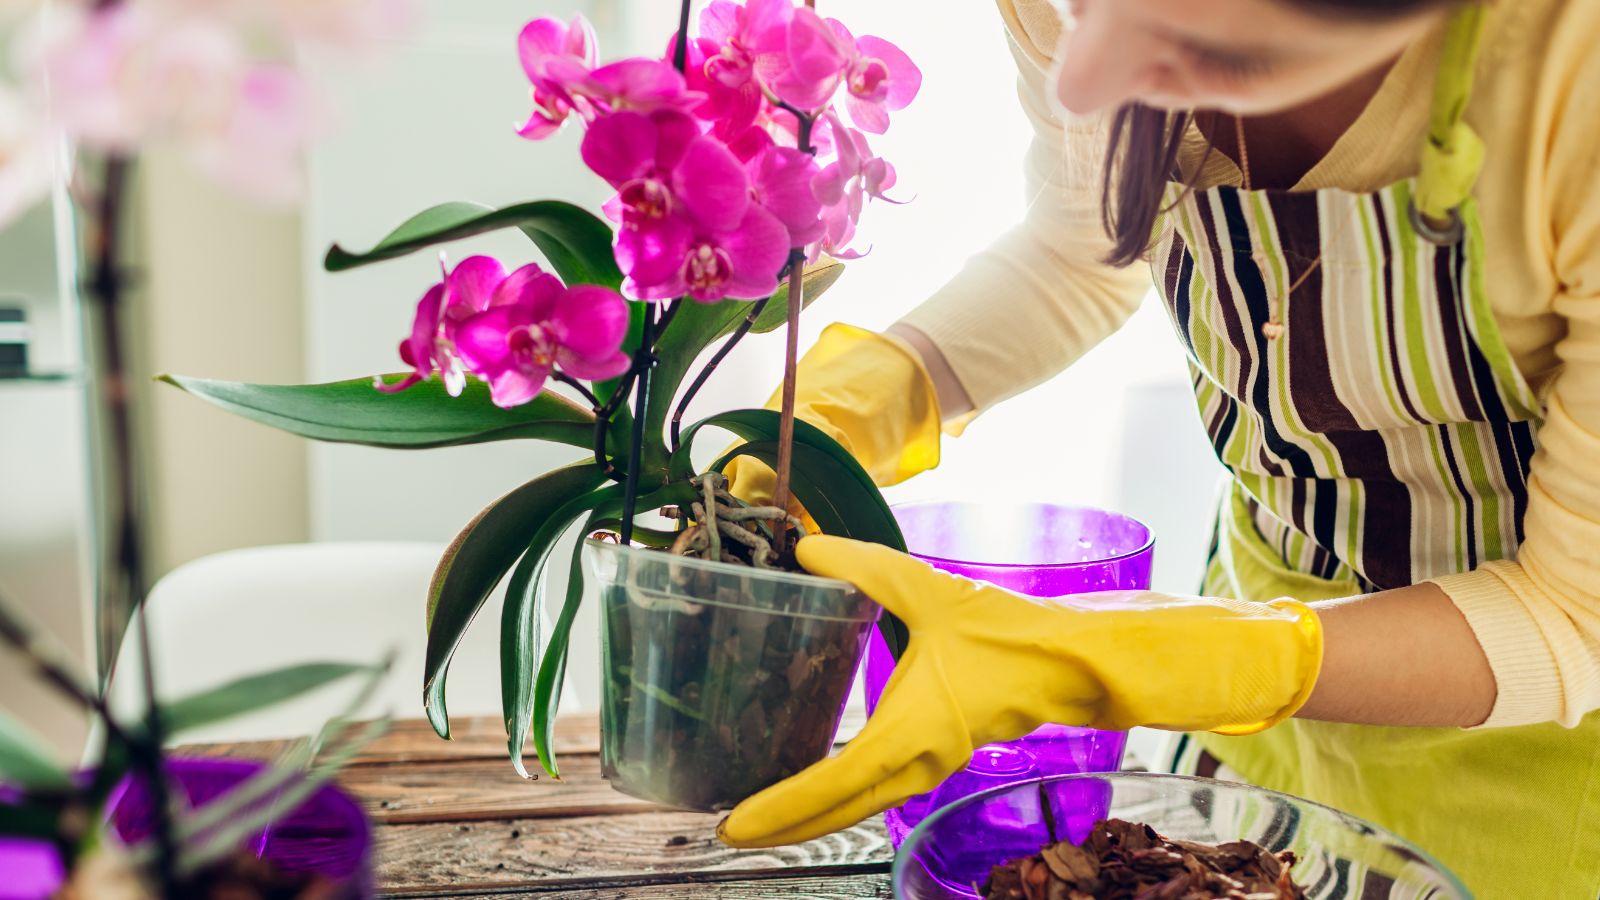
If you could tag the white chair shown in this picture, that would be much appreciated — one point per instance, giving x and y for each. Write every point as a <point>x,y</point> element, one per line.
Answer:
<point>248,611</point>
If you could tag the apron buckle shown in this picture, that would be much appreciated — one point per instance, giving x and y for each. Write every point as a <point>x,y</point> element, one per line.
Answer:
<point>1446,235</point>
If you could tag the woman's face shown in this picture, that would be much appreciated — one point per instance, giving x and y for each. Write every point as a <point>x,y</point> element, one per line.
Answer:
<point>1242,56</point>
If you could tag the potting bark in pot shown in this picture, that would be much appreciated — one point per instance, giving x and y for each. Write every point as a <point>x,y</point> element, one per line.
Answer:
<point>721,678</point>
<point>738,184</point>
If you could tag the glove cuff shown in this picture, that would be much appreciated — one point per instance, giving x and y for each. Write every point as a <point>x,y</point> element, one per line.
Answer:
<point>1308,632</point>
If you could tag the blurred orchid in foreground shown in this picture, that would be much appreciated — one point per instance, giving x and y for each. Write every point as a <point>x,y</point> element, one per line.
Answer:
<point>216,79</point>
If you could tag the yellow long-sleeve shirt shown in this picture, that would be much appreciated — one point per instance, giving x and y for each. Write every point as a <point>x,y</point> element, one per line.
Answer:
<point>1038,298</point>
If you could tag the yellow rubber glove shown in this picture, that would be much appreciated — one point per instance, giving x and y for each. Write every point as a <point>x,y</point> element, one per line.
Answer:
<point>870,393</point>
<point>987,665</point>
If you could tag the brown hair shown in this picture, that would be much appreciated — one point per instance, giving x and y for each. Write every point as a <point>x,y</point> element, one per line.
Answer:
<point>1142,152</point>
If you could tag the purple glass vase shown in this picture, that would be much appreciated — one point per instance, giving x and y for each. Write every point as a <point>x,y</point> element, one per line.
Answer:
<point>327,833</point>
<point>1042,550</point>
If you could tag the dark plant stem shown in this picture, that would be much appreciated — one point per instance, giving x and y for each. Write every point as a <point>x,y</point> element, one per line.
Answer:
<point>791,354</point>
<point>643,360</point>
<point>680,50</point>
<point>602,426</point>
<point>711,366</point>
<point>58,672</point>
<point>124,585</point>
<point>581,388</point>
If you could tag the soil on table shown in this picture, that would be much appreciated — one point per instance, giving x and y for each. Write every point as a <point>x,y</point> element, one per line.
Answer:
<point>1122,860</point>
<point>707,702</point>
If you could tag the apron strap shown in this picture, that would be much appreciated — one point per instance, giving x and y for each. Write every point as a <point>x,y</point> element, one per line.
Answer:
<point>1453,153</point>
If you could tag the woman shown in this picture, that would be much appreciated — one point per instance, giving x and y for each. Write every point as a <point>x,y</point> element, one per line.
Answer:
<point>1394,330</point>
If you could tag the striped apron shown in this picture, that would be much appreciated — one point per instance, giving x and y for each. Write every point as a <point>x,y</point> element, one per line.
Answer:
<point>1382,437</point>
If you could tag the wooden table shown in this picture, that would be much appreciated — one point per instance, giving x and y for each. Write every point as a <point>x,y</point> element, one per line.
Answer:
<point>453,820</point>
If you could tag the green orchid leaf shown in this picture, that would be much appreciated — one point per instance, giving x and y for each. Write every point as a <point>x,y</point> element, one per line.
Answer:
<point>423,416</point>
<point>476,561</point>
<point>697,325</point>
<point>251,693</point>
<point>825,478</point>
<point>577,244</point>
<point>519,619</point>
<point>25,760</point>
<point>553,668</point>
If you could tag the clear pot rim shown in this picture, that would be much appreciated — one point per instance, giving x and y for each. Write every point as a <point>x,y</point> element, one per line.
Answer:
<point>869,609</point>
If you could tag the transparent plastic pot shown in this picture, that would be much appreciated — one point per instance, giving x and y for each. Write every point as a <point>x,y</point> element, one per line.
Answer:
<point>720,679</point>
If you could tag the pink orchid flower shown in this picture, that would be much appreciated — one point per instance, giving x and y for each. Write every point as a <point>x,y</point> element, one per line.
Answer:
<point>684,203</point>
<point>781,181</point>
<point>640,85</point>
<point>739,49</point>
<point>555,56</point>
<point>822,54</point>
<point>844,185</point>
<point>740,263</point>
<point>466,290</point>
<point>559,59</point>
<point>533,325</point>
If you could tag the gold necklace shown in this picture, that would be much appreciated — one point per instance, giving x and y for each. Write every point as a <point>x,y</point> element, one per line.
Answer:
<point>1272,329</point>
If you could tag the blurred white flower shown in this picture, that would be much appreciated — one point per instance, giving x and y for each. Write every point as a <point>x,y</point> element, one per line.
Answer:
<point>350,25</point>
<point>187,73</point>
<point>26,156</point>
<point>217,78</point>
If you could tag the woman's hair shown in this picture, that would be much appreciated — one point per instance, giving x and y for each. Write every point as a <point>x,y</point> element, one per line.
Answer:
<point>1142,153</point>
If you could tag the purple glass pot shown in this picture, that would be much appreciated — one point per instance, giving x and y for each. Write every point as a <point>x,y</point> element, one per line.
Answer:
<point>1042,550</point>
<point>327,833</point>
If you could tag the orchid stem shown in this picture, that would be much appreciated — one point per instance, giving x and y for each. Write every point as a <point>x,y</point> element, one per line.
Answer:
<point>643,360</point>
<point>711,366</point>
<point>581,388</point>
<point>124,585</point>
<point>791,357</point>
<point>680,49</point>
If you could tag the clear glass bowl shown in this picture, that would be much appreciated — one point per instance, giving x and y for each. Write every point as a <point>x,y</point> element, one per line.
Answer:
<point>720,680</point>
<point>1339,856</point>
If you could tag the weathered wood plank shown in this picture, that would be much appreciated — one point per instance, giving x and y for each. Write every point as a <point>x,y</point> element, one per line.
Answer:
<point>535,852</point>
<point>483,789</point>
<point>827,887</point>
<point>413,740</point>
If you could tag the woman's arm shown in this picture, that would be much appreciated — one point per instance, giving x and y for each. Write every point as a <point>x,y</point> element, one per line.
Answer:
<point>1400,657</point>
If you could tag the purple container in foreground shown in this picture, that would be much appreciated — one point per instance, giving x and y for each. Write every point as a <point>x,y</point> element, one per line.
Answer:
<point>327,834</point>
<point>1041,550</point>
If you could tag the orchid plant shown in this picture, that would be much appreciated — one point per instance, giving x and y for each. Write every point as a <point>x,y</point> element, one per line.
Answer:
<point>741,164</point>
